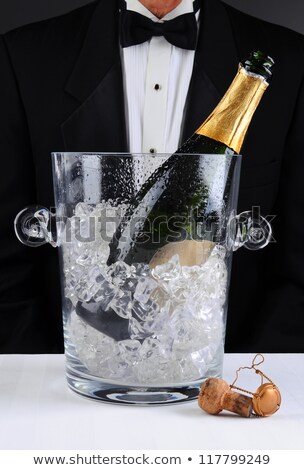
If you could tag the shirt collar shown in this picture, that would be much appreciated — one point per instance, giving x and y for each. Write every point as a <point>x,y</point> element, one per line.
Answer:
<point>186,6</point>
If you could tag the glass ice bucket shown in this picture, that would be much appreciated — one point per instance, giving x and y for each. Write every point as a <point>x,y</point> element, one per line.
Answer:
<point>137,330</point>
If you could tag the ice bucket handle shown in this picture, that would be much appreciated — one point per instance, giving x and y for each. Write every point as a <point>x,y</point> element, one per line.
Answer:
<point>36,226</point>
<point>249,230</point>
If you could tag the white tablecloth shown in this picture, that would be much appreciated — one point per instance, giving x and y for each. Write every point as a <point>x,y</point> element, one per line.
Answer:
<point>38,411</point>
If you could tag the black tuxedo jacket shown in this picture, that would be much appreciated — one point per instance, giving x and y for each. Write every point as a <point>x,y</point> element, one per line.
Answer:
<point>61,89</point>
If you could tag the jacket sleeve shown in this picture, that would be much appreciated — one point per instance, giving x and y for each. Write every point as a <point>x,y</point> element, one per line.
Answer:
<point>18,312</point>
<point>283,310</point>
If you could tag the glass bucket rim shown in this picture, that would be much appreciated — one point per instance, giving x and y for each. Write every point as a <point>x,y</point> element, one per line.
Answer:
<point>148,154</point>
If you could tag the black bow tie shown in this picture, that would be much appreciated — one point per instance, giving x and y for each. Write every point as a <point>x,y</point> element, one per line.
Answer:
<point>136,29</point>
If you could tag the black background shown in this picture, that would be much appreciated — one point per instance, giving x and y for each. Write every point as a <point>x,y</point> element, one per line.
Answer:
<point>13,13</point>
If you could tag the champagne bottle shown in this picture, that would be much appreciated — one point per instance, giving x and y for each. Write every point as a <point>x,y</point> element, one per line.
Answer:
<point>175,187</point>
<point>153,217</point>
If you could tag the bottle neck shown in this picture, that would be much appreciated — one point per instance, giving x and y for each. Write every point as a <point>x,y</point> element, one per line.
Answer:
<point>229,121</point>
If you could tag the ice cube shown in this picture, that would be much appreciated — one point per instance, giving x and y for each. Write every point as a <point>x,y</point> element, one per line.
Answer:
<point>144,289</point>
<point>83,210</point>
<point>122,304</point>
<point>167,271</point>
<point>145,312</point>
<point>141,269</point>
<point>129,351</point>
<point>138,330</point>
<point>121,270</point>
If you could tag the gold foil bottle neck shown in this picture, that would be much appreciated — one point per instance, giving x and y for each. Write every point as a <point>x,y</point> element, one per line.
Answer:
<point>229,121</point>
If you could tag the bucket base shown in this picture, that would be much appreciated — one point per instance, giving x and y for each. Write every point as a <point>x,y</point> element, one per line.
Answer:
<point>131,395</point>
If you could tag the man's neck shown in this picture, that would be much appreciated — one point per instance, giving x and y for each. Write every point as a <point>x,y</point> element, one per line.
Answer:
<point>160,8</point>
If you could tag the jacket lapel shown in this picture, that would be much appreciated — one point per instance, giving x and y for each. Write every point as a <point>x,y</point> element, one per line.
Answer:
<point>98,124</point>
<point>215,65</point>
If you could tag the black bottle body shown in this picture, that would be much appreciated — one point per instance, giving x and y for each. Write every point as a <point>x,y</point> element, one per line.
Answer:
<point>169,206</point>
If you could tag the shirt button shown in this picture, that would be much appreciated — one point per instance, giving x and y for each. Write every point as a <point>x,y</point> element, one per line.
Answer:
<point>157,87</point>
<point>152,150</point>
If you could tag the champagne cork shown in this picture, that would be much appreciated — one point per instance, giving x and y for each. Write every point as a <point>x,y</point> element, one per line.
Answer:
<point>215,396</point>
